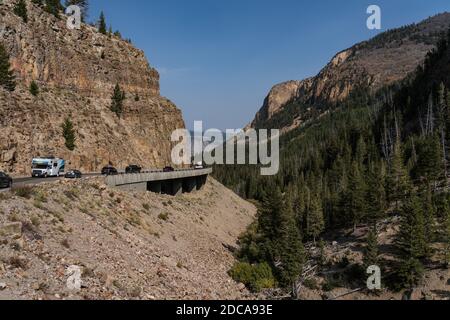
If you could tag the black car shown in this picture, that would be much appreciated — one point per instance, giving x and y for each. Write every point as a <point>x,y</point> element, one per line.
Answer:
<point>74,174</point>
<point>109,171</point>
<point>168,169</point>
<point>5,180</point>
<point>133,169</point>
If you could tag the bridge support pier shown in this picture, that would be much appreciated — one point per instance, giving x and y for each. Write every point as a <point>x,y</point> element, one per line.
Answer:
<point>201,181</point>
<point>189,185</point>
<point>177,187</point>
<point>154,186</point>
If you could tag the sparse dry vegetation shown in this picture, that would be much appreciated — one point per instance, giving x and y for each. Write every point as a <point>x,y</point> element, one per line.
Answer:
<point>84,224</point>
<point>24,192</point>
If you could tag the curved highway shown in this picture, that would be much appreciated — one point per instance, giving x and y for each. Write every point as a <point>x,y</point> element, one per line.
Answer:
<point>20,182</point>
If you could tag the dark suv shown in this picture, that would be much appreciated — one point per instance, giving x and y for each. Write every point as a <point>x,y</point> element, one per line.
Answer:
<point>109,171</point>
<point>133,169</point>
<point>73,174</point>
<point>5,180</point>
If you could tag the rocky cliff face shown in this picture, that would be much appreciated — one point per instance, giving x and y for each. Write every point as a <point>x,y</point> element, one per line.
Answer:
<point>387,58</point>
<point>76,71</point>
<point>278,97</point>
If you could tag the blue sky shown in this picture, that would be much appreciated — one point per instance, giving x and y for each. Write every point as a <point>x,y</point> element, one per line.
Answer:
<point>219,58</point>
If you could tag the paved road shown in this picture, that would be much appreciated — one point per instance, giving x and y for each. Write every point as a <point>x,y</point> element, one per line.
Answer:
<point>20,182</point>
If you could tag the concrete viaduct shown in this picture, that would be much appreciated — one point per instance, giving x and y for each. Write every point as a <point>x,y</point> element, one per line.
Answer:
<point>171,183</point>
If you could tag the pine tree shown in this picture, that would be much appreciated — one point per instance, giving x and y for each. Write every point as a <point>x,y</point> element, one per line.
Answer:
<point>278,241</point>
<point>102,24</point>
<point>354,197</point>
<point>410,273</point>
<point>411,242</point>
<point>268,216</point>
<point>446,99</point>
<point>83,4</point>
<point>361,151</point>
<point>289,247</point>
<point>376,196</point>
<point>398,178</point>
<point>314,219</point>
<point>430,165</point>
<point>34,88</point>
<point>7,79</point>
<point>118,34</point>
<point>300,201</point>
<point>429,216</point>
<point>446,232</point>
<point>20,9</point>
<point>69,134</point>
<point>53,6</point>
<point>442,124</point>
<point>117,101</point>
<point>371,251</point>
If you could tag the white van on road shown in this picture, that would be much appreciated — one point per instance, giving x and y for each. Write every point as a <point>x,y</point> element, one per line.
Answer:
<point>198,166</point>
<point>47,167</point>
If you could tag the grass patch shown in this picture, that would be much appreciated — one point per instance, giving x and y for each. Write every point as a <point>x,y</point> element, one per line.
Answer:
<point>58,216</point>
<point>41,197</point>
<point>135,220</point>
<point>163,216</point>
<point>35,221</point>
<point>168,203</point>
<point>25,192</point>
<point>72,194</point>
<point>4,196</point>
<point>311,284</point>
<point>18,263</point>
<point>65,243</point>
<point>38,204</point>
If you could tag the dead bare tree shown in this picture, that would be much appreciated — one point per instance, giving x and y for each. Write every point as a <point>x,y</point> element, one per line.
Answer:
<point>414,151</point>
<point>309,271</point>
<point>387,143</point>
<point>430,117</point>
<point>444,154</point>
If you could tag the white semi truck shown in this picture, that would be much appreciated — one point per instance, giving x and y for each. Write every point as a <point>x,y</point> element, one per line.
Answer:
<point>47,167</point>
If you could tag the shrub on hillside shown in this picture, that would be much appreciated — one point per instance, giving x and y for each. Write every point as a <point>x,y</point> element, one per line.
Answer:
<point>24,192</point>
<point>255,277</point>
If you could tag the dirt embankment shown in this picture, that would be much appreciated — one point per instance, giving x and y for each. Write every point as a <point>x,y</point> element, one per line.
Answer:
<point>127,245</point>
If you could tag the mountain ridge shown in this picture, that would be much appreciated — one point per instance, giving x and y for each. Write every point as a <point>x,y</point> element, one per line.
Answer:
<point>385,59</point>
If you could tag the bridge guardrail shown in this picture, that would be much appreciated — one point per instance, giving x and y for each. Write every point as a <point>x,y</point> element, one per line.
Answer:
<point>160,171</point>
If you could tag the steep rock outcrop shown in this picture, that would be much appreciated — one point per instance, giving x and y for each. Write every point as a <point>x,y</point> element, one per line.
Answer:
<point>383,60</point>
<point>76,71</point>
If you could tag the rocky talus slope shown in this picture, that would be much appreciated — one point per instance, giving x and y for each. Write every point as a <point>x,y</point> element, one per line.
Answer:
<point>127,245</point>
<point>76,71</point>
<point>383,60</point>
